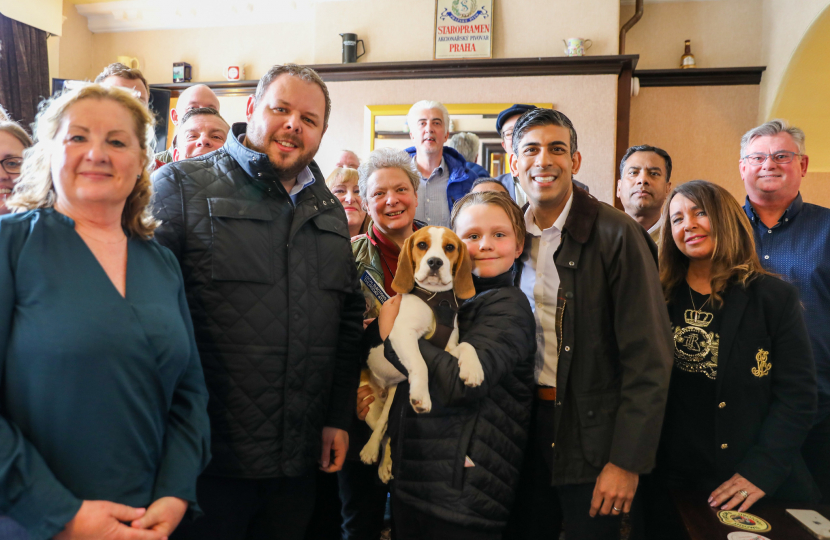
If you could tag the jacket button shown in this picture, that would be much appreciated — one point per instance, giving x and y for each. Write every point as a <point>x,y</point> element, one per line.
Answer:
<point>721,405</point>
<point>571,263</point>
<point>567,348</point>
<point>557,403</point>
<point>591,414</point>
<point>324,203</point>
<point>259,174</point>
<point>553,445</point>
<point>724,446</point>
<point>569,295</point>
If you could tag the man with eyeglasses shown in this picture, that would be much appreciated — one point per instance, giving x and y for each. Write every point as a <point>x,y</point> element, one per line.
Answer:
<point>504,125</point>
<point>791,238</point>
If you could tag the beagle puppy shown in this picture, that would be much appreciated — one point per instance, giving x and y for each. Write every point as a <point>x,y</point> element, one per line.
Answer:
<point>434,270</point>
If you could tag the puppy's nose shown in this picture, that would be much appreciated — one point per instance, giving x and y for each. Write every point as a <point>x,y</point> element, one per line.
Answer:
<point>434,263</point>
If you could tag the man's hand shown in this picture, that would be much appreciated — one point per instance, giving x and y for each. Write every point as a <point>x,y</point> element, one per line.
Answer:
<point>365,397</point>
<point>163,515</point>
<point>335,441</point>
<point>729,494</point>
<point>388,314</point>
<point>102,520</point>
<point>613,491</point>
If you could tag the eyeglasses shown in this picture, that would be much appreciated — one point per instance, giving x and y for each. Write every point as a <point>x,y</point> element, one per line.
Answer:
<point>507,134</point>
<point>12,165</point>
<point>782,157</point>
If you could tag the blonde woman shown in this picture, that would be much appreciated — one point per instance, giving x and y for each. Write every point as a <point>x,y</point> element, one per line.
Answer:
<point>342,182</point>
<point>104,426</point>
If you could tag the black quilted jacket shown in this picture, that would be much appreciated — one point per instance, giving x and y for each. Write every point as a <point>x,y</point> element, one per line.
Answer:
<point>488,424</point>
<point>275,302</point>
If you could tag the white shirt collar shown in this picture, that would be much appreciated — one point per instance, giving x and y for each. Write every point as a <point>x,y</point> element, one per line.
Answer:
<point>559,224</point>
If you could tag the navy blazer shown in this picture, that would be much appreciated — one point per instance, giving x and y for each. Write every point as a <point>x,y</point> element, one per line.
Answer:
<point>766,389</point>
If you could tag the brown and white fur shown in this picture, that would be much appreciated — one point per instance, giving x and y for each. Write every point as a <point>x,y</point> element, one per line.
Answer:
<point>435,259</point>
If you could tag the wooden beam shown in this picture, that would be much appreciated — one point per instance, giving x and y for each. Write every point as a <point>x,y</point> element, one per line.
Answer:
<point>440,69</point>
<point>735,76</point>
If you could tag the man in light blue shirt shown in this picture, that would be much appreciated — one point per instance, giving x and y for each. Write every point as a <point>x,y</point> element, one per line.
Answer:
<point>444,175</point>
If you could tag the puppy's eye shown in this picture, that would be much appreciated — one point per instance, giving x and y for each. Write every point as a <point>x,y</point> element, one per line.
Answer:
<point>422,245</point>
<point>449,247</point>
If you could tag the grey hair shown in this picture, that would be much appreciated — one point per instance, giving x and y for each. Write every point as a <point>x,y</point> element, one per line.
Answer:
<point>386,158</point>
<point>428,104</point>
<point>466,144</point>
<point>771,128</point>
<point>303,73</point>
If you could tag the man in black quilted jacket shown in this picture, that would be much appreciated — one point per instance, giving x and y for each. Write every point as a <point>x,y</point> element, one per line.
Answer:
<point>277,310</point>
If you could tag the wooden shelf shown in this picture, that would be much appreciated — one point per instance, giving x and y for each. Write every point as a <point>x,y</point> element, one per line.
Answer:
<point>700,76</point>
<point>440,69</point>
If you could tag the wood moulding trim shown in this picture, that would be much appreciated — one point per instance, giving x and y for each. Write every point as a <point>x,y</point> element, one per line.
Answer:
<point>735,76</point>
<point>441,69</point>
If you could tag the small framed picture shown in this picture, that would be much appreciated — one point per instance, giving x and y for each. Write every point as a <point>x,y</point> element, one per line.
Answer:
<point>463,29</point>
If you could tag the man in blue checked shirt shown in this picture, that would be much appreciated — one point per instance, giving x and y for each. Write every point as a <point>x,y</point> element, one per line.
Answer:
<point>792,239</point>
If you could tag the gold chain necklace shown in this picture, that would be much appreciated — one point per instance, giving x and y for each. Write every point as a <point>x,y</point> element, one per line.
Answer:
<point>698,317</point>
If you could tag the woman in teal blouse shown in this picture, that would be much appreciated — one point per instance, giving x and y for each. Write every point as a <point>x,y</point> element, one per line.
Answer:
<point>104,426</point>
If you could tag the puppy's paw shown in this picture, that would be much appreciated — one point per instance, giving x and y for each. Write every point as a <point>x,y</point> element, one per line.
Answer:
<point>469,366</point>
<point>369,453</point>
<point>385,469</point>
<point>419,398</point>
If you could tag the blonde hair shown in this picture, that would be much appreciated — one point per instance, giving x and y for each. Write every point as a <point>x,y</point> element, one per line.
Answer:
<point>494,198</point>
<point>734,259</point>
<point>14,129</point>
<point>341,175</point>
<point>35,187</point>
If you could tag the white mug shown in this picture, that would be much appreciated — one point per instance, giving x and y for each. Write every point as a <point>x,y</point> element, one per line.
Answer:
<point>577,46</point>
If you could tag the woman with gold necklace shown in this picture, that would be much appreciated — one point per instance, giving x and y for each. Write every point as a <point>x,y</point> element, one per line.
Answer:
<point>743,386</point>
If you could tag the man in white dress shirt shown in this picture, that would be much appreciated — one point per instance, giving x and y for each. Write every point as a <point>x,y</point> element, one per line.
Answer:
<point>604,347</point>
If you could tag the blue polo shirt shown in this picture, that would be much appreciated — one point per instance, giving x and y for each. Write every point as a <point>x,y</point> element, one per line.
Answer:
<point>798,249</point>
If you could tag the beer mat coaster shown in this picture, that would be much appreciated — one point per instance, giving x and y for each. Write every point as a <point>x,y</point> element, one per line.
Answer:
<point>744,535</point>
<point>742,520</point>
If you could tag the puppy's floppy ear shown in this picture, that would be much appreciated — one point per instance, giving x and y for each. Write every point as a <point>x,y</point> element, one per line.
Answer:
<point>462,274</point>
<point>404,280</point>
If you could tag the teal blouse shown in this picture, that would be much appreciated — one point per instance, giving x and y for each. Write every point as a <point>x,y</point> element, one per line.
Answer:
<point>102,396</point>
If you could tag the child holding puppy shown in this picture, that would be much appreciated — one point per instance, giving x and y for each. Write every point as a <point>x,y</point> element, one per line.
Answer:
<point>456,468</point>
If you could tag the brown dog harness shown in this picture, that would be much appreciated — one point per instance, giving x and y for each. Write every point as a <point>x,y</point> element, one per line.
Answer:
<point>444,306</point>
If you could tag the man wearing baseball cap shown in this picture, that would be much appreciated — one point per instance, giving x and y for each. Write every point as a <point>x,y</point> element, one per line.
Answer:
<point>504,125</point>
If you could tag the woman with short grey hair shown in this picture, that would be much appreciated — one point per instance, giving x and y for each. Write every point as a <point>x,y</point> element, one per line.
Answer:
<point>387,158</point>
<point>389,188</point>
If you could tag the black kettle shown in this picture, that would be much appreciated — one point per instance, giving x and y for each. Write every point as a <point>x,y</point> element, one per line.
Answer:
<point>350,42</point>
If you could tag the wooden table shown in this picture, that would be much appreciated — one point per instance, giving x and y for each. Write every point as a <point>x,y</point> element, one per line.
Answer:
<point>702,523</point>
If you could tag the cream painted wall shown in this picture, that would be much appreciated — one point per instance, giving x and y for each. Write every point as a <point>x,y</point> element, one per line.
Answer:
<point>723,34</point>
<point>75,46</point>
<point>43,14</point>
<point>589,101</point>
<point>700,127</point>
<point>392,32</point>
<point>784,24</point>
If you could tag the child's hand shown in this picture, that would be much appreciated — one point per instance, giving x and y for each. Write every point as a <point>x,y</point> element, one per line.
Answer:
<point>388,314</point>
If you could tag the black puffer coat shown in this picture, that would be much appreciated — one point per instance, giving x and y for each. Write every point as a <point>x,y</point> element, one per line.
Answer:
<point>275,301</point>
<point>488,424</point>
